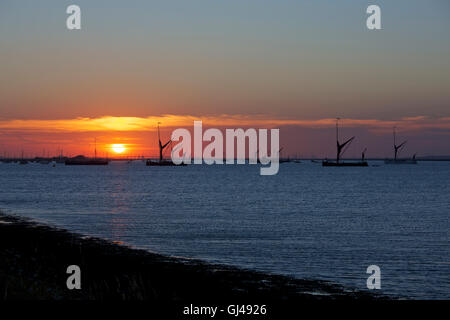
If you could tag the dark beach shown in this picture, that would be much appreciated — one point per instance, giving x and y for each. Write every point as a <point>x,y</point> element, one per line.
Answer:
<point>34,259</point>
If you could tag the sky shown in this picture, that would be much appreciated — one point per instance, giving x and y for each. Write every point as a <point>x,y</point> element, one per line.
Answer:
<point>294,65</point>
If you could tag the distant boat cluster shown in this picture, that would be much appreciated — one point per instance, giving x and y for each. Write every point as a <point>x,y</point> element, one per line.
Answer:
<point>38,160</point>
<point>342,147</point>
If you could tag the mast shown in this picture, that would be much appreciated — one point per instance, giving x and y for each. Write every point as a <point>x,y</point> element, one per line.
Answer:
<point>95,148</point>
<point>337,140</point>
<point>394,135</point>
<point>161,146</point>
<point>159,136</point>
<point>399,147</point>
<point>337,129</point>
<point>395,145</point>
<point>339,146</point>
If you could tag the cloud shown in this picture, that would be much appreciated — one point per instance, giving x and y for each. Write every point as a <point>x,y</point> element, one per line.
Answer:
<point>119,124</point>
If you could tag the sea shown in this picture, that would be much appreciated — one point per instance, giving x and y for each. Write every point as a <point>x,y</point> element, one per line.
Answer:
<point>307,221</point>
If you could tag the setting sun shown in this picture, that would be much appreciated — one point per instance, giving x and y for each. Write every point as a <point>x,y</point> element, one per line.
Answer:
<point>118,148</point>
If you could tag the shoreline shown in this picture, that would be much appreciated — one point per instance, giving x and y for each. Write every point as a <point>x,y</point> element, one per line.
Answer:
<point>34,258</point>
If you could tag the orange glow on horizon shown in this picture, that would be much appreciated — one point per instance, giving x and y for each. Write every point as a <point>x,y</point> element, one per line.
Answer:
<point>136,124</point>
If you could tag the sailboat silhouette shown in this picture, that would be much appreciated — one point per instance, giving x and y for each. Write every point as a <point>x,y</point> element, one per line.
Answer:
<point>162,161</point>
<point>397,149</point>
<point>341,148</point>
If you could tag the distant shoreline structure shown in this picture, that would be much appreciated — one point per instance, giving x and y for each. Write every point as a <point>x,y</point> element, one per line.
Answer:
<point>82,160</point>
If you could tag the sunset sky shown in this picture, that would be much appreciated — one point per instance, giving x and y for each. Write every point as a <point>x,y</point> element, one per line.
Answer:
<point>293,65</point>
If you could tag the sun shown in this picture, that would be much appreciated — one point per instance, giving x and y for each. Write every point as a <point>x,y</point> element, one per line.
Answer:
<point>118,148</point>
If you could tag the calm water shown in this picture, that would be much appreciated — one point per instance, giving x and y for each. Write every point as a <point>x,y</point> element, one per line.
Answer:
<point>307,221</point>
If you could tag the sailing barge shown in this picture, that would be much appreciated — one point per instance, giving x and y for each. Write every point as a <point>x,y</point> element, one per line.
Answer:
<point>341,148</point>
<point>162,161</point>
<point>397,149</point>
